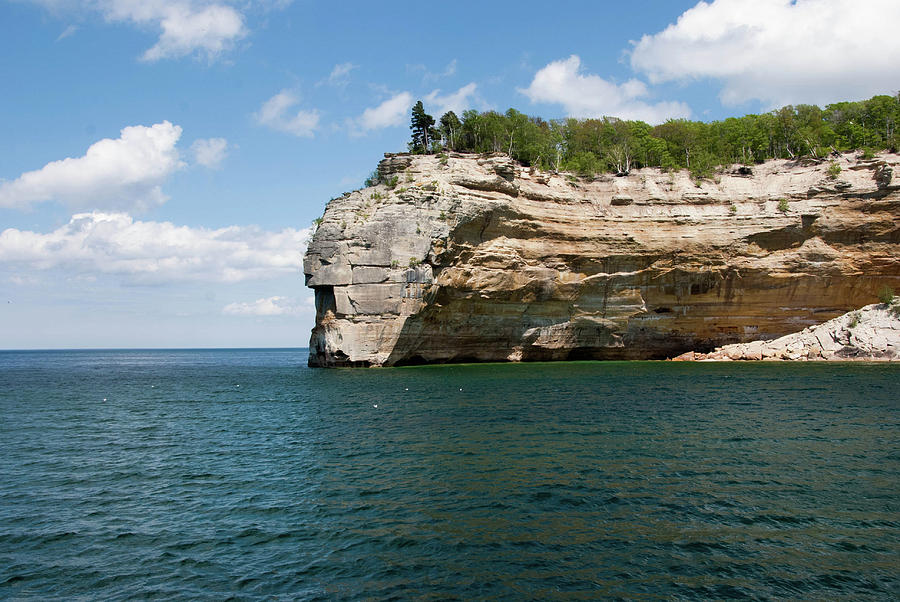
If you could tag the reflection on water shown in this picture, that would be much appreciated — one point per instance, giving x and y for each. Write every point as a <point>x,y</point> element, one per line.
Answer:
<point>207,473</point>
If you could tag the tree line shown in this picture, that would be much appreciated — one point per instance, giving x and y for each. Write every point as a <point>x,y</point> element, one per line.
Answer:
<point>609,144</point>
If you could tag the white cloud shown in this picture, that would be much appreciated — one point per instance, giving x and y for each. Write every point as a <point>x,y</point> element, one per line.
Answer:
<point>450,69</point>
<point>780,51</point>
<point>391,112</point>
<point>431,76</point>
<point>125,173</point>
<point>22,280</point>
<point>186,29</point>
<point>68,31</point>
<point>270,306</point>
<point>200,28</point>
<point>455,101</point>
<point>210,152</point>
<point>586,95</point>
<point>155,252</point>
<point>277,113</point>
<point>339,76</point>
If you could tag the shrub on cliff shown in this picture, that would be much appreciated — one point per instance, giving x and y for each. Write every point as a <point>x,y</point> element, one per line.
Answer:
<point>374,179</point>
<point>886,295</point>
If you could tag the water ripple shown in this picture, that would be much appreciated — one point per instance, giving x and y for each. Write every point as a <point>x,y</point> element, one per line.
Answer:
<point>549,481</point>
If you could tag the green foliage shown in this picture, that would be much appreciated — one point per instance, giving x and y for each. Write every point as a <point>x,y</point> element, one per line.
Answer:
<point>591,146</point>
<point>422,127</point>
<point>374,179</point>
<point>413,262</point>
<point>854,321</point>
<point>834,170</point>
<point>450,129</point>
<point>395,264</point>
<point>733,209</point>
<point>318,222</point>
<point>886,295</point>
<point>584,163</point>
<point>783,205</point>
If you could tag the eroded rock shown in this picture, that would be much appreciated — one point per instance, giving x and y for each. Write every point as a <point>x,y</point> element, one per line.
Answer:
<point>871,333</point>
<point>467,259</point>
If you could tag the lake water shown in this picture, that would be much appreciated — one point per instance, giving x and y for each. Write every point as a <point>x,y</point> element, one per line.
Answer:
<point>245,474</point>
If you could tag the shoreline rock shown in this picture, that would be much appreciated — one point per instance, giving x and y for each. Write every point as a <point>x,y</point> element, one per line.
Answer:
<point>871,334</point>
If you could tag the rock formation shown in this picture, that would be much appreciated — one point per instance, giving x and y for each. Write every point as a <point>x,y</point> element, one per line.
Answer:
<point>475,258</point>
<point>869,334</point>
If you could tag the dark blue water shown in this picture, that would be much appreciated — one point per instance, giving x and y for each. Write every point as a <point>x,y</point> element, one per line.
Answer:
<point>244,474</point>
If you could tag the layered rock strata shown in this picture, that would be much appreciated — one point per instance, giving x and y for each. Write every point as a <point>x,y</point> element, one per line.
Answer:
<point>871,333</point>
<point>475,258</point>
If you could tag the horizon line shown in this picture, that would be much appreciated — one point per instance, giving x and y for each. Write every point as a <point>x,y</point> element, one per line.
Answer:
<point>152,349</point>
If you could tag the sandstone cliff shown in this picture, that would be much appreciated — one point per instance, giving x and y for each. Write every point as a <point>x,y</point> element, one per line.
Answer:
<point>871,334</point>
<point>473,258</point>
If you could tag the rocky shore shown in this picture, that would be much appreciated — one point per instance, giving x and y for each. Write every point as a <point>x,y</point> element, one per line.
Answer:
<point>871,333</point>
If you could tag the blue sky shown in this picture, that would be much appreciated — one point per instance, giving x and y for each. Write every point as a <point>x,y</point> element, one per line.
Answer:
<point>162,160</point>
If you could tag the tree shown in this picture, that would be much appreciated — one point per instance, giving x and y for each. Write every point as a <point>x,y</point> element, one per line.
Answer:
<point>450,126</point>
<point>608,144</point>
<point>422,126</point>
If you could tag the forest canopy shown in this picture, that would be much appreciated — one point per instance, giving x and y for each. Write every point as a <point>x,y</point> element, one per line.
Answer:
<point>609,144</point>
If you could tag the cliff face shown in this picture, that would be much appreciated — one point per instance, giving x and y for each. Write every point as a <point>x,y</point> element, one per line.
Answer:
<point>473,258</point>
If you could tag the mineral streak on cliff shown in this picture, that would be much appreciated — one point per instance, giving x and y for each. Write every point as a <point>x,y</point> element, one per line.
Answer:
<point>475,258</point>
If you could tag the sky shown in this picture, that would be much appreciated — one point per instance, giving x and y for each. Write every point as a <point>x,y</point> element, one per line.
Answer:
<point>162,160</point>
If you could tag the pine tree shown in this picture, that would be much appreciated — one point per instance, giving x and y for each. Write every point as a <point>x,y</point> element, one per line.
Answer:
<point>422,126</point>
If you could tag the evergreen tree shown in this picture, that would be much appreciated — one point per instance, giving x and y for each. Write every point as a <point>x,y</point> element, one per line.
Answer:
<point>422,126</point>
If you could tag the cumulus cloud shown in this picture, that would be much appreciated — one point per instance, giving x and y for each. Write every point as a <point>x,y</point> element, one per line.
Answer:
<point>391,112</point>
<point>587,95</point>
<point>455,101</point>
<point>148,252</point>
<point>270,306</point>
<point>278,113</point>
<point>125,173</point>
<point>209,152</point>
<point>186,27</point>
<point>780,51</point>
